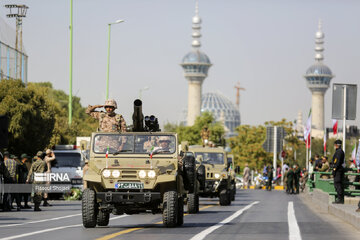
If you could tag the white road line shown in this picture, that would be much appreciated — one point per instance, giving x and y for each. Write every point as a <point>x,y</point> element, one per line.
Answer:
<point>39,221</point>
<point>209,230</point>
<point>50,230</point>
<point>294,231</point>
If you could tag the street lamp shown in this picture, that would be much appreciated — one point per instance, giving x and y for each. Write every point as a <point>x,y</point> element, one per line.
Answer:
<point>108,60</point>
<point>141,90</point>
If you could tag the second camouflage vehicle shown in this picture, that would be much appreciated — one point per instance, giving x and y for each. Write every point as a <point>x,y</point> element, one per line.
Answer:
<point>135,172</point>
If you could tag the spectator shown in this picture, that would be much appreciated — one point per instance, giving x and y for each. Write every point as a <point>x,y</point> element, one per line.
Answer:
<point>325,168</point>
<point>318,162</point>
<point>246,175</point>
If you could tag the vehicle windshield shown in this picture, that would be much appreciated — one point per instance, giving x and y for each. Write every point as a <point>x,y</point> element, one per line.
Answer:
<point>140,144</point>
<point>211,158</point>
<point>70,159</point>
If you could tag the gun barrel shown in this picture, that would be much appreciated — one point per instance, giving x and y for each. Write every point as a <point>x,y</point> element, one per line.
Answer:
<point>138,117</point>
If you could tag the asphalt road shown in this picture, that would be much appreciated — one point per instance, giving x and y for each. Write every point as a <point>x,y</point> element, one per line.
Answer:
<point>255,214</point>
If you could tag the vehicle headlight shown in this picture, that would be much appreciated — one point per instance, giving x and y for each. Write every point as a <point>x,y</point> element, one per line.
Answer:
<point>151,174</point>
<point>106,173</point>
<point>116,173</point>
<point>142,174</point>
<point>217,175</point>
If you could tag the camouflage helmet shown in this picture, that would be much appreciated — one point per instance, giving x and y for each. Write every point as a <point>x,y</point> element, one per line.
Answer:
<point>110,103</point>
<point>164,139</point>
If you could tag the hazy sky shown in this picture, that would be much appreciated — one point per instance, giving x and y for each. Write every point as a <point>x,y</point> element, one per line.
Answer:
<point>267,45</point>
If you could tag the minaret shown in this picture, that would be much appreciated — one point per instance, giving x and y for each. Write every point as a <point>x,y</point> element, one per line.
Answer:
<point>318,77</point>
<point>196,65</point>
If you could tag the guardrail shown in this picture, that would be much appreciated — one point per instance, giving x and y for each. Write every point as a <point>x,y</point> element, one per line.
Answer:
<point>327,185</point>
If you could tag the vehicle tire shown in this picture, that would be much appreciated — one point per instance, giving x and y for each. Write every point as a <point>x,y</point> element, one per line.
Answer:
<point>189,173</point>
<point>180,214</point>
<point>233,191</point>
<point>170,209</point>
<point>201,176</point>
<point>89,208</point>
<point>103,218</point>
<point>224,197</point>
<point>193,203</point>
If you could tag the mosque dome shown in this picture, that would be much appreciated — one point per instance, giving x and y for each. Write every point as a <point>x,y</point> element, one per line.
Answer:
<point>222,109</point>
<point>196,56</point>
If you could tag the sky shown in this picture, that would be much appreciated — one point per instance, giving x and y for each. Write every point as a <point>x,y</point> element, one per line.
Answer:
<point>266,45</point>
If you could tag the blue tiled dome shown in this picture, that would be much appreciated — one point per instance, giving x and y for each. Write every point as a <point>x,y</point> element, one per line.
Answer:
<point>318,69</point>
<point>216,104</point>
<point>196,57</point>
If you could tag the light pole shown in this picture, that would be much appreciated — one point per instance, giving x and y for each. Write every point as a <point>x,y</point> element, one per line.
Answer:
<point>108,60</point>
<point>141,90</point>
<point>71,64</point>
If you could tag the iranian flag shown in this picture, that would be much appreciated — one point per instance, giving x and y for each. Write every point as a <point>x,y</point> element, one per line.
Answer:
<point>353,154</point>
<point>107,155</point>
<point>307,131</point>
<point>324,143</point>
<point>335,126</point>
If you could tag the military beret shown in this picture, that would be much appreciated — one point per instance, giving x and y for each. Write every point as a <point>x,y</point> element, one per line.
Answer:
<point>24,155</point>
<point>6,153</point>
<point>338,142</point>
<point>39,153</point>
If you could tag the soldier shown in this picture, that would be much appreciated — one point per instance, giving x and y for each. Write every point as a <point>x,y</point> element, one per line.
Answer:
<point>164,143</point>
<point>37,167</point>
<point>23,173</point>
<point>246,176</point>
<point>270,178</point>
<point>109,121</point>
<point>297,178</point>
<point>290,181</point>
<point>325,167</point>
<point>338,171</point>
<point>49,158</point>
<point>4,173</point>
<point>12,167</point>
<point>205,134</point>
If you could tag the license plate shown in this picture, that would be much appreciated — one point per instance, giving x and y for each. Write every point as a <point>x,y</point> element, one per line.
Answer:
<point>129,185</point>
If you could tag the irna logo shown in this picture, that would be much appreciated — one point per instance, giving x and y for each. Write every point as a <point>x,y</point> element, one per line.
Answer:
<point>51,177</point>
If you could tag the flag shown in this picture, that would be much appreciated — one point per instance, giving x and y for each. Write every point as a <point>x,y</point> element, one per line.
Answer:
<point>107,155</point>
<point>308,141</point>
<point>151,152</point>
<point>335,126</point>
<point>358,156</point>
<point>307,129</point>
<point>353,154</point>
<point>324,143</point>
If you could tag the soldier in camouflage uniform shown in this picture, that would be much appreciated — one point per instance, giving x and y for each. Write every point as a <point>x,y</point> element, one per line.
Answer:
<point>37,167</point>
<point>109,121</point>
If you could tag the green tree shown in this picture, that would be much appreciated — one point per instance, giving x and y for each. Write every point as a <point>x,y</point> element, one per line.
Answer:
<point>247,146</point>
<point>31,115</point>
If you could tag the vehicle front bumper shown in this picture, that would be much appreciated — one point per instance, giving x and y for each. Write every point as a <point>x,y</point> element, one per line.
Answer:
<point>128,197</point>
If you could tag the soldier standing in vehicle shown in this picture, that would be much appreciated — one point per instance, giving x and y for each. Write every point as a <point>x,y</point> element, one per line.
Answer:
<point>37,167</point>
<point>338,171</point>
<point>205,135</point>
<point>109,121</point>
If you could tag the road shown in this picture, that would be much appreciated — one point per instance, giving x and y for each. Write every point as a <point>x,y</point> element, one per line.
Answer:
<point>255,214</point>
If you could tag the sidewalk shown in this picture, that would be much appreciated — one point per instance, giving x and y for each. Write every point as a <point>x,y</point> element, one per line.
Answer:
<point>345,212</point>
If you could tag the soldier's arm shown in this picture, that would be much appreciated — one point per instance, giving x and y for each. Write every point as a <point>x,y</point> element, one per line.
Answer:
<point>90,110</point>
<point>30,173</point>
<point>122,124</point>
<point>336,163</point>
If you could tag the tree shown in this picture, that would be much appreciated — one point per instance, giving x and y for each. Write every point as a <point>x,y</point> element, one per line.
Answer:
<point>247,146</point>
<point>31,115</point>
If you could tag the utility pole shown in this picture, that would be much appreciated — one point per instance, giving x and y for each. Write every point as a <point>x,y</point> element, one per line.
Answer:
<point>71,65</point>
<point>238,88</point>
<point>18,12</point>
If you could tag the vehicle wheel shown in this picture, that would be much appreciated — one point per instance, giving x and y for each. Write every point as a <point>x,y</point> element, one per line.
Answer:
<point>103,218</point>
<point>189,173</point>
<point>193,203</point>
<point>170,209</point>
<point>89,208</point>
<point>233,192</point>
<point>201,175</point>
<point>180,214</point>
<point>224,198</point>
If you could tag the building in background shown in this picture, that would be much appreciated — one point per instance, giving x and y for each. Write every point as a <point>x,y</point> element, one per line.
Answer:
<point>13,63</point>
<point>195,65</point>
<point>223,111</point>
<point>318,77</point>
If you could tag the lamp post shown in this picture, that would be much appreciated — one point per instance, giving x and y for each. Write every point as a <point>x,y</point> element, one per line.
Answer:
<point>71,64</point>
<point>141,90</point>
<point>108,60</point>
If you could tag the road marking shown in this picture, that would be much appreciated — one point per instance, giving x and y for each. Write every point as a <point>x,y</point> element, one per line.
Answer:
<point>51,229</point>
<point>209,230</point>
<point>39,221</point>
<point>294,231</point>
<point>110,236</point>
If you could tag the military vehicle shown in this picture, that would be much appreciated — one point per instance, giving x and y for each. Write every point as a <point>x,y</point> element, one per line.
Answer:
<point>217,177</point>
<point>136,172</point>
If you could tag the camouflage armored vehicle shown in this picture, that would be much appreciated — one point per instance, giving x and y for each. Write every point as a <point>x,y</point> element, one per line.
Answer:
<point>135,172</point>
<point>217,177</point>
